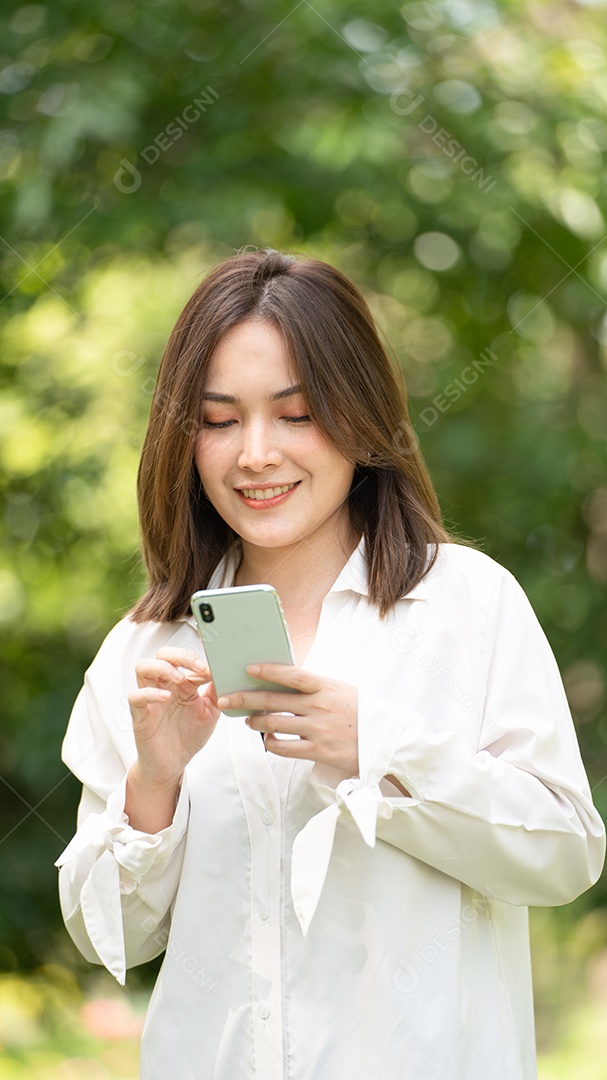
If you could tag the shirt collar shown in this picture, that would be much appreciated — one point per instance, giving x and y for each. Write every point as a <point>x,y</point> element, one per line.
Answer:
<point>353,577</point>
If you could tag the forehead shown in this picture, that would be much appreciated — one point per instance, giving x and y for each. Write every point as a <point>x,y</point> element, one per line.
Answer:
<point>252,351</point>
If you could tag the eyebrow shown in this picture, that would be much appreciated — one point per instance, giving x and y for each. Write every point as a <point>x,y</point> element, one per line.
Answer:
<point>229,399</point>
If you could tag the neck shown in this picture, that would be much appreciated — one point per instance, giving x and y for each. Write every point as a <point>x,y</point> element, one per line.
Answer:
<point>301,573</point>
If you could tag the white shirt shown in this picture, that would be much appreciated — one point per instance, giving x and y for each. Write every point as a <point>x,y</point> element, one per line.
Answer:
<point>321,926</point>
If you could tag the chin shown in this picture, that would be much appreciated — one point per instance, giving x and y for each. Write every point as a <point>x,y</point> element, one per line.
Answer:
<point>269,537</point>
<point>272,541</point>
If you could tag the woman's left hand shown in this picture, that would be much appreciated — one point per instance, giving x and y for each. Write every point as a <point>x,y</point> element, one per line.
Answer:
<point>325,715</point>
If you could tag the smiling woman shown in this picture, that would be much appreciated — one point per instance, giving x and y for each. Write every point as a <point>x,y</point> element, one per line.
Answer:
<point>356,897</point>
<point>313,316</point>
<point>260,451</point>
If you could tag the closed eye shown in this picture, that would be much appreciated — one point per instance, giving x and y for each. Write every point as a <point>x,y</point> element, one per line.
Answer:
<point>228,423</point>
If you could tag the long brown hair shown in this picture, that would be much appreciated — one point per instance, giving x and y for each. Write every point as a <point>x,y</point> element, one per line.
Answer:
<point>352,394</point>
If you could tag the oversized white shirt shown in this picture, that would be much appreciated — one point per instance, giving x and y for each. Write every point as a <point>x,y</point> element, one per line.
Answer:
<point>323,926</point>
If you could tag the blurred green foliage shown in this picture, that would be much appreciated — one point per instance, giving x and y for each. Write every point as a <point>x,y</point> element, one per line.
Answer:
<point>49,1029</point>
<point>448,155</point>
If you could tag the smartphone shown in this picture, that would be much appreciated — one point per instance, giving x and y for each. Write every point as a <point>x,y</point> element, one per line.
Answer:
<point>239,626</point>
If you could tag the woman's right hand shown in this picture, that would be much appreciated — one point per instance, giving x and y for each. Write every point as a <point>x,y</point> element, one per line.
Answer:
<point>172,720</point>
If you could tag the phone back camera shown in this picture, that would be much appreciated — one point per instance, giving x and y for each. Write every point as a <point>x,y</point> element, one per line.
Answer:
<point>206,613</point>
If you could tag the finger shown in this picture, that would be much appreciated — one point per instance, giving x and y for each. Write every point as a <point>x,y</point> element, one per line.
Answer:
<point>263,701</point>
<point>158,672</point>
<point>147,695</point>
<point>286,675</point>
<point>273,722</point>
<point>208,693</point>
<point>290,748</point>
<point>185,658</point>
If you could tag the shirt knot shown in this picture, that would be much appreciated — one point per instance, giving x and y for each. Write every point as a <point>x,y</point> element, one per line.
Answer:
<point>312,846</point>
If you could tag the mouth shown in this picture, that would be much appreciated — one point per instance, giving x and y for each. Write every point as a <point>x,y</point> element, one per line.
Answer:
<point>266,496</point>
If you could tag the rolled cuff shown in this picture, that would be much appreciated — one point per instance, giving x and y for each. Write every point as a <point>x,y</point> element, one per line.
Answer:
<point>118,858</point>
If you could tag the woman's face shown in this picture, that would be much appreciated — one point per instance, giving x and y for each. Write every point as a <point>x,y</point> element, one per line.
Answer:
<point>256,439</point>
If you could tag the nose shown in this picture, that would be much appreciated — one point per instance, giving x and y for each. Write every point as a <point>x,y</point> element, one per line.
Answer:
<point>259,447</point>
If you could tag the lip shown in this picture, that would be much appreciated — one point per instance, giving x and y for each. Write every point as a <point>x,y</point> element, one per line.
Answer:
<point>264,504</point>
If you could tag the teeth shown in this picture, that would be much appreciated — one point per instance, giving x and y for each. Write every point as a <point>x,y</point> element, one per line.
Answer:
<point>265,493</point>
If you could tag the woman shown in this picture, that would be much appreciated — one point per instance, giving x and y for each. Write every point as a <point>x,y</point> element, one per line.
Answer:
<point>349,899</point>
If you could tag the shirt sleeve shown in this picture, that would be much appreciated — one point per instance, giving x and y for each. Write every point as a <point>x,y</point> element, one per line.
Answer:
<point>511,816</point>
<point>116,884</point>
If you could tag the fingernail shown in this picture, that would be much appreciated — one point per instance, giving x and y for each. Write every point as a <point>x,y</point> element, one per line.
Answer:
<point>222,702</point>
<point>253,669</point>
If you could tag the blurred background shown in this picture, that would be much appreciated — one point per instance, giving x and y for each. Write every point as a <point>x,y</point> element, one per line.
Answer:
<point>450,157</point>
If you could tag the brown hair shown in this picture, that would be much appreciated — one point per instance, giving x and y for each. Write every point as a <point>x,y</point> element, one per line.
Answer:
<point>352,394</point>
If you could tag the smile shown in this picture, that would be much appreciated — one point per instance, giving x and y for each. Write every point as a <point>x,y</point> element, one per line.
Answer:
<point>269,495</point>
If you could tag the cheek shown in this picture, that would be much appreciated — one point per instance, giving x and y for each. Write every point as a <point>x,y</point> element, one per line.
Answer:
<point>205,459</point>
<point>325,455</point>
<point>309,440</point>
<point>332,475</point>
<point>199,453</point>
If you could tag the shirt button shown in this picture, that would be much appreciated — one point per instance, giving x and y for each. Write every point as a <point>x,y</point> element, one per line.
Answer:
<point>264,912</point>
<point>267,817</point>
<point>263,1011</point>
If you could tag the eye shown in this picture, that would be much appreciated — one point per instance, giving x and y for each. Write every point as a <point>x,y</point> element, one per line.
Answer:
<point>296,419</point>
<point>223,424</point>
